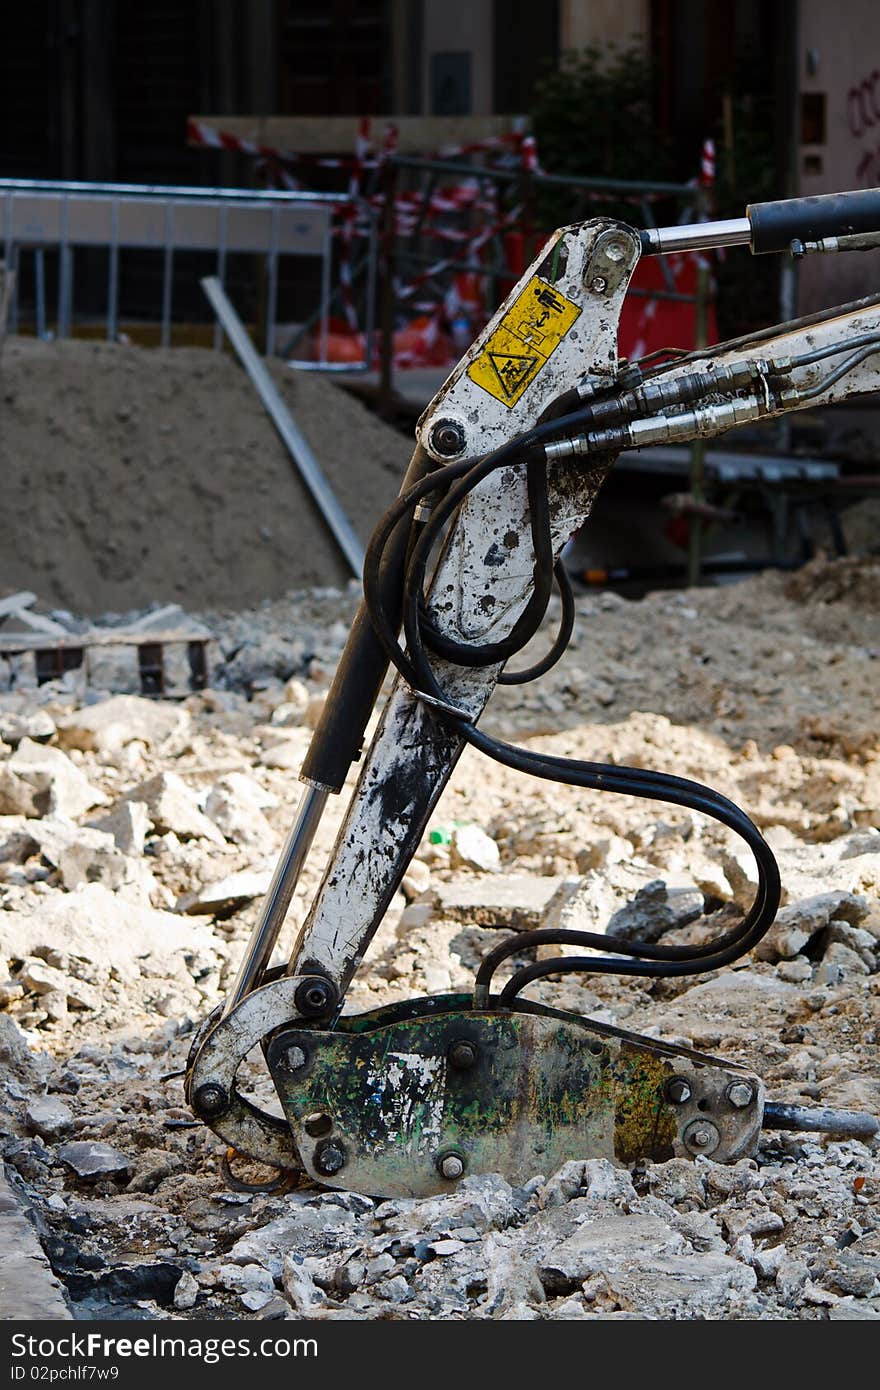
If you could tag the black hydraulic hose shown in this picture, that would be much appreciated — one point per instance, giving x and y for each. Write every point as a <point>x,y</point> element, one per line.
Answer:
<point>560,641</point>
<point>646,959</point>
<point>677,960</point>
<point>527,624</point>
<point>448,478</point>
<point>631,781</point>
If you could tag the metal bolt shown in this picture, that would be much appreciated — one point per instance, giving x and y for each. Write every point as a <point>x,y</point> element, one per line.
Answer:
<point>701,1137</point>
<point>295,1058</point>
<point>598,284</point>
<point>329,1158</point>
<point>678,1090</point>
<point>447,438</point>
<point>462,1055</point>
<point>210,1099</point>
<point>451,1167</point>
<point>615,251</point>
<point>315,996</point>
<point>740,1094</point>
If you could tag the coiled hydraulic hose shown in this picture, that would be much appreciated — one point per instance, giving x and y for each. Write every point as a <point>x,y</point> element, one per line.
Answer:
<point>454,482</point>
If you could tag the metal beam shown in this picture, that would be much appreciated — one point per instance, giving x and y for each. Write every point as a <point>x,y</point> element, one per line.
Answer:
<point>293,438</point>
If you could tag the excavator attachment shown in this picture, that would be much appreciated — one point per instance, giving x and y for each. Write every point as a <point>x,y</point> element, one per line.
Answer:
<point>410,1099</point>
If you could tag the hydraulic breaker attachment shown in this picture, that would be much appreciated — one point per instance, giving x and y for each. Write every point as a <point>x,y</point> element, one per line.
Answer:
<point>406,1105</point>
<point>511,453</point>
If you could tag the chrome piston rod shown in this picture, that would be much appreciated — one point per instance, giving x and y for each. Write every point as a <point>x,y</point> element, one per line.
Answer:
<point>277,900</point>
<point>696,236</point>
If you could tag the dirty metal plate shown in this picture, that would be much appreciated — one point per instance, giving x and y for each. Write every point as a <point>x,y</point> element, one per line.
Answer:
<point>383,1111</point>
<point>556,327</point>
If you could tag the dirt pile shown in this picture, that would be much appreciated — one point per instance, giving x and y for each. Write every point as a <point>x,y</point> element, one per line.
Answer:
<point>130,472</point>
<point>136,839</point>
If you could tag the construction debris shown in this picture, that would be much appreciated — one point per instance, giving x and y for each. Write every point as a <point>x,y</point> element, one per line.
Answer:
<point>137,836</point>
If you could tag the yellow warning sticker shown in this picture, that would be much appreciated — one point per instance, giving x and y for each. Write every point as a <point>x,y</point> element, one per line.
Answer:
<point>529,333</point>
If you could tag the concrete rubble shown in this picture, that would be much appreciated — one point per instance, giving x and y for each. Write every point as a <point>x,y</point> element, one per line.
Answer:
<point>136,837</point>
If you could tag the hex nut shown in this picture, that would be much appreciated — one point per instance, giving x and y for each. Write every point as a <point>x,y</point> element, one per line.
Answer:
<point>701,1137</point>
<point>451,1166</point>
<point>210,1100</point>
<point>447,438</point>
<point>740,1094</point>
<point>678,1090</point>
<point>295,1058</point>
<point>314,996</point>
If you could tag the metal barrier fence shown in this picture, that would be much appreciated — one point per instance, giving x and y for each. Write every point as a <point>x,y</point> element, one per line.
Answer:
<point>37,216</point>
<point>419,253</point>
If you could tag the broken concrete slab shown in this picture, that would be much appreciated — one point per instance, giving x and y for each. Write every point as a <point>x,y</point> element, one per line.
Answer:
<point>29,1291</point>
<point>172,806</point>
<point>19,724</point>
<point>40,781</point>
<point>52,984</point>
<point>17,842</point>
<point>92,1160</point>
<point>228,894</point>
<point>111,724</point>
<point>48,1116</point>
<point>17,1060</point>
<point>236,804</point>
<point>309,1227</point>
<point>504,900</point>
<point>92,923</point>
<point>797,924</point>
<point>655,910</point>
<point>472,847</point>
<point>82,854</point>
<point>664,1285</point>
<point>128,823</point>
<point>603,1244</point>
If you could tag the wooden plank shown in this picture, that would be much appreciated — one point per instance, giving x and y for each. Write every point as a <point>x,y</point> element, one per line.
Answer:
<point>38,641</point>
<point>338,134</point>
<point>38,622</point>
<point>13,603</point>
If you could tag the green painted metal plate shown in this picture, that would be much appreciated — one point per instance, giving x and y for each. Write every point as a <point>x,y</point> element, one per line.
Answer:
<point>386,1103</point>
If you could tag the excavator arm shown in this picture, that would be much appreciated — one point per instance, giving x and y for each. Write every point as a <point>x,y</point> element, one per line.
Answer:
<point>511,454</point>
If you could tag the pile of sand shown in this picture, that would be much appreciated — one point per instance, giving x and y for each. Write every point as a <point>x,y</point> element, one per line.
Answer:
<point>130,472</point>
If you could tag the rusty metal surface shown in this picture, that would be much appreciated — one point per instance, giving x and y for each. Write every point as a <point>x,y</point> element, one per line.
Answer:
<point>381,1105</point>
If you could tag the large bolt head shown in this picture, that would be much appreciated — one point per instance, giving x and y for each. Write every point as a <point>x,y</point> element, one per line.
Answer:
<point>329,1157</point>
<point>210,1100</point>
<point>462,1054</point>
<point>740,1094</point>
<point>315,996</point>
<point>701,1137</point>
<point>451,1167</point>
<point>447,438</point>
<point>678,1090</point>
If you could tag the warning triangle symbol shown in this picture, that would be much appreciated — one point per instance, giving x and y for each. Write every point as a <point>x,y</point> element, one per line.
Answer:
<point>511,370</point>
